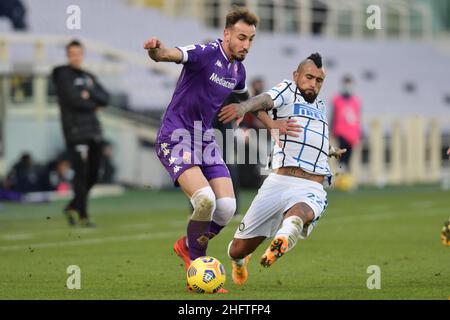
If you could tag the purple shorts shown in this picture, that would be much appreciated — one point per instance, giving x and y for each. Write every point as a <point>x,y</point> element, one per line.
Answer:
<point>177,157</point>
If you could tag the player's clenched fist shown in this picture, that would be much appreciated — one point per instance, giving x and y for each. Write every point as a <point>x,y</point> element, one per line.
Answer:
<point>152,43</point>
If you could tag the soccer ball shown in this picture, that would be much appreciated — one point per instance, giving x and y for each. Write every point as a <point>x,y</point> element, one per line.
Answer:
<point>345,182</point>
<point>445,234</point>
<point>206,275</point>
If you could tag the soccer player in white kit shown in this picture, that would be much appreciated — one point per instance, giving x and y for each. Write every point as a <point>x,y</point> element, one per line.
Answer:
<point>292,198</point>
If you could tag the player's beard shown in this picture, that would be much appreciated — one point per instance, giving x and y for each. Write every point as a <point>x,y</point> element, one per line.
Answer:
<point>239,57</point>
<point>309,97</point>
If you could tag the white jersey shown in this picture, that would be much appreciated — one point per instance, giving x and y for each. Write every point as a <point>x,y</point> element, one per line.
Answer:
<point>310,150</point>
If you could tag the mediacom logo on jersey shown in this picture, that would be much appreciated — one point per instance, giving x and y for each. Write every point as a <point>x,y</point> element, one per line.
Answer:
<point>222,82</point>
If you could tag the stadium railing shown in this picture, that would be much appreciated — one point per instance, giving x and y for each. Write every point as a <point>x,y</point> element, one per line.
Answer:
<point>404,19</point>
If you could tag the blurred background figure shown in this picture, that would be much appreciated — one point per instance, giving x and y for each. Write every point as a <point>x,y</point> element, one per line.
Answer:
<point>59,175</point>
<point>25,176</point>
<point>107,168</point>
<point>15,11</point>
<point>80,96</point>
<point>346,128</point>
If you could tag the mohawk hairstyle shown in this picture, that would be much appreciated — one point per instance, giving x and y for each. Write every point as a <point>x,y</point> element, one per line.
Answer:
<point>317,59</point>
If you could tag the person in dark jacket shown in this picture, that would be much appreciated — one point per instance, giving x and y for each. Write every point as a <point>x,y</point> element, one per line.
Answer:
<point>80,96</point>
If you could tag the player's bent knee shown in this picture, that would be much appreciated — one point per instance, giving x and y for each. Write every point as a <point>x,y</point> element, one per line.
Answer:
<point>225,209</point>
<point>302,210</point>
<point>204,203</point>
<point>240,248</point>
<point>235,249</point>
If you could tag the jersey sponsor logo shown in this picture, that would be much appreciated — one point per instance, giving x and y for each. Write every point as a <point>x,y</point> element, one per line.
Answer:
<point>222,82</point>
<point>309,112</point>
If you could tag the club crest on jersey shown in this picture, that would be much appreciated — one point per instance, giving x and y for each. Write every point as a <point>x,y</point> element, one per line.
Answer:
<point>235,70</point>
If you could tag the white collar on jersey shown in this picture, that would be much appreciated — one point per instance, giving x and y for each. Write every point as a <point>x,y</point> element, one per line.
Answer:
<point>219,41</point>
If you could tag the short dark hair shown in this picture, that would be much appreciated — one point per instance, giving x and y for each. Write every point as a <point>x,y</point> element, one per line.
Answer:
<point>239,13</point>
<point>317,59</point>
<point>73,43</point>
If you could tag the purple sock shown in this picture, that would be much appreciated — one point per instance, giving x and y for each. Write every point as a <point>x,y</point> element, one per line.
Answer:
<point>197,234</point>
<point>214,230</point>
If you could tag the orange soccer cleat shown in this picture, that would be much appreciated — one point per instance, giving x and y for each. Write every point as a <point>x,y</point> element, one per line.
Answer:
<point>240,273</point>
<point>182,250</point>
<point>222,290</point>
<point>276,250</point>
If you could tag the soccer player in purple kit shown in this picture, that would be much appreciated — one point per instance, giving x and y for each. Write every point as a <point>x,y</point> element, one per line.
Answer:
<point>210,74</point>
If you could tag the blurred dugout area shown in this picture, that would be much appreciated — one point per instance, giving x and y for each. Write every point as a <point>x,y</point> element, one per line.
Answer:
<point>400,72</point>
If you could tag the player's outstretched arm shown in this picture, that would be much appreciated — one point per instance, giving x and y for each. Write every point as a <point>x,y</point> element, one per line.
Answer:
<point>158,53</point>
<point>238,110</point>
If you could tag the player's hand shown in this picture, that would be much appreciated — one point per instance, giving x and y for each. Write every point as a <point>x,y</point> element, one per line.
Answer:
<point>288,127</point>
<point>284,127</point>
<point>337,153</point>
<point>152,44</point>
<point>231,112</point>
<point>448,152</point>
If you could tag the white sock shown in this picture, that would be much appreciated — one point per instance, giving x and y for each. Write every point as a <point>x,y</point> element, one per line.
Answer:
<point>239,262</point>
<point>291,228</point>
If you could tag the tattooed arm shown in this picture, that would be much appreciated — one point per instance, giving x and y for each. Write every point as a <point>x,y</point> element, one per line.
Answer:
<point>238,110</point>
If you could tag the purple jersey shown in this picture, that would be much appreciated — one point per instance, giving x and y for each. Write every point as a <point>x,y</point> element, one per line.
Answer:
<point>207,78</point>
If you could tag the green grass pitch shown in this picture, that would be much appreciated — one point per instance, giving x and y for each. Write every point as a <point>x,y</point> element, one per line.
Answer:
<point>130,256</point>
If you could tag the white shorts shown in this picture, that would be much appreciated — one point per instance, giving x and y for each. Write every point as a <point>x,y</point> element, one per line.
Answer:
<point>277,195</point>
